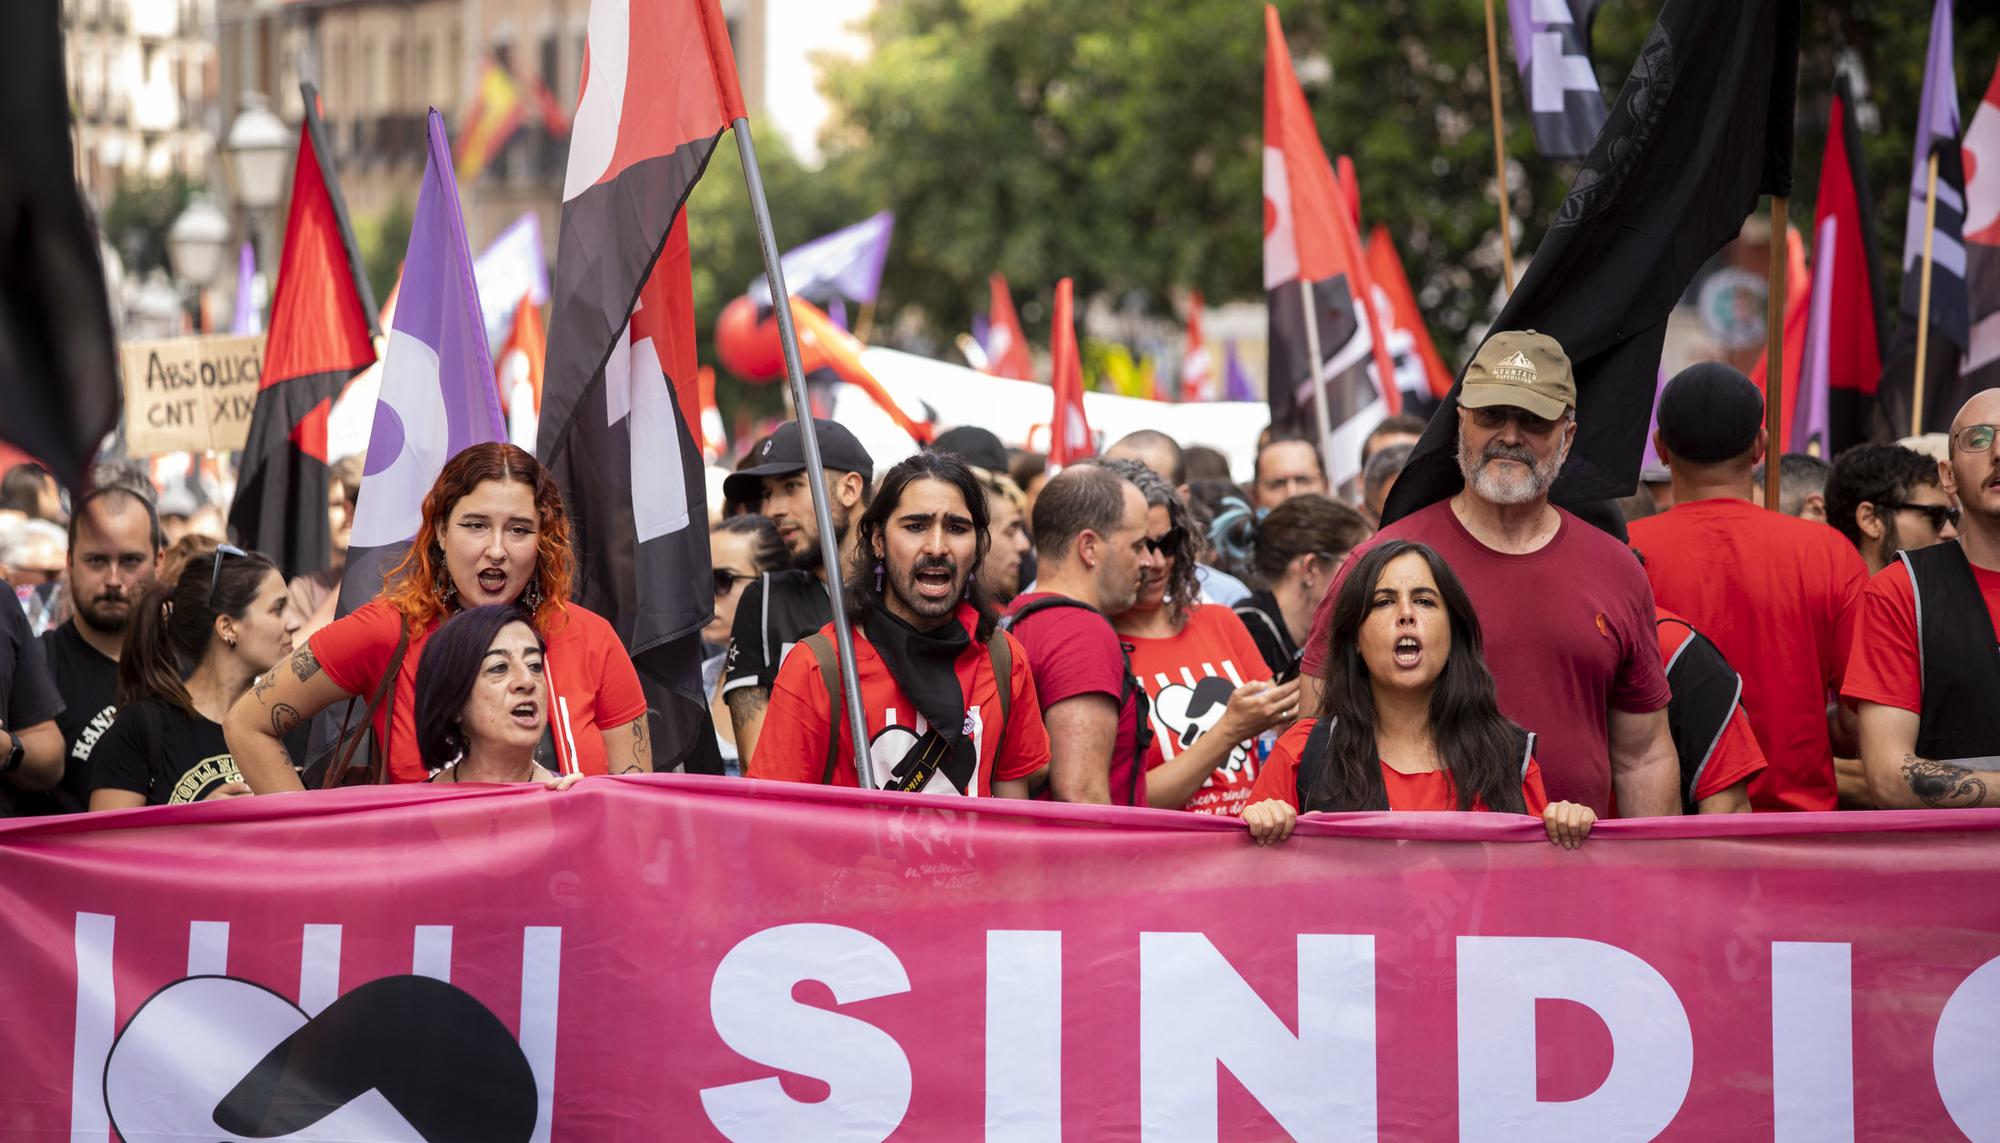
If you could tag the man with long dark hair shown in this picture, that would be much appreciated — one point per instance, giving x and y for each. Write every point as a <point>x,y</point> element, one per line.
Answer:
<point>949,697</point>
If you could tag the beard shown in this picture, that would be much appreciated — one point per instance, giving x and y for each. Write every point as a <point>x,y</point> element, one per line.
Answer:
<point>1492,486</point>
<point>903,582</point>
<point>98,615</point>
<point>810,558</point>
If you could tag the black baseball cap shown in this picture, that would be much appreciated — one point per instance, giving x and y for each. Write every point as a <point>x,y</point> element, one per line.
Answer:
<point>1709,413</point>
<point>784,452</point>
<point>974,445</point>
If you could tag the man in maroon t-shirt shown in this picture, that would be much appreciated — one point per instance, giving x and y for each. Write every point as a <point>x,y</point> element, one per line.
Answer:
<point>1565,609</point>
<point>1090,546</point>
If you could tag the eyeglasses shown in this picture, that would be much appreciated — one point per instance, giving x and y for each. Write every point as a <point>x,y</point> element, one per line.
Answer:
<point>1495,416</point>
<point>1938,514</point>
<point>726,580</point>
<point>1975,438</point>
<point>1168,544</point>
<point>215,567</point>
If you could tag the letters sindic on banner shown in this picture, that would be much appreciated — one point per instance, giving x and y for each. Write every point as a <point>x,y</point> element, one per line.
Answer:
<point>747,963</point>
<point>190,393</point>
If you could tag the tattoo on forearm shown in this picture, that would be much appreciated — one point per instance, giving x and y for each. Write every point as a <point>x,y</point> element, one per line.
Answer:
<point>305,664</point>
<point>1942,784</point>
<point>284,719</point>
<point>265,682</point>
<point>747,702</point>
<point>642,748</point>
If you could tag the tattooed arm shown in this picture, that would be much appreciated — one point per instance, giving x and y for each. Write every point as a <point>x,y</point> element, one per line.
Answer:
<point>1900,780</point>
<point>628,749</point>
<point>288,694</point>
<point>746,716</point>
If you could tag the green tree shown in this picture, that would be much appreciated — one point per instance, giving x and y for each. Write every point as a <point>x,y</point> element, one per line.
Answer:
<point>142,210</point>
<point>384,239</point>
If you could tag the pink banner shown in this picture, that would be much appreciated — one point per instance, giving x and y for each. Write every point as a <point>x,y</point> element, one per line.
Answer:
<point>689,958</point>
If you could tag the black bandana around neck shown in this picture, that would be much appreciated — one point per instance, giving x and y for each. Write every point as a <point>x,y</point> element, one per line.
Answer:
<point>925,667</point>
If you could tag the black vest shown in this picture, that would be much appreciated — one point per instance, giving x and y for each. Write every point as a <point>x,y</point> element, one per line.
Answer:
<point>1957,655</point>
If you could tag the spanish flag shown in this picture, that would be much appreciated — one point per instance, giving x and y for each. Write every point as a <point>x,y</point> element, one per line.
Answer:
<point>492,119</point>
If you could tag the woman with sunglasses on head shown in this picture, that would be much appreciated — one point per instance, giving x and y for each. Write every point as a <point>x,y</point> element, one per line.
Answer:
<point>1408,719</point>
<point>740,549</point>
<point>493,531</point>
<point>1210,692</point>
<point>192,648</point>
<point>482,699</point>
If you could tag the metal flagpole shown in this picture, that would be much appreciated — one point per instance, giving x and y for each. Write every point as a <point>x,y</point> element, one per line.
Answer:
<point>829,546</point>
<point>1774,341</point>
<point>1924,302</point>
<point>1314,367</point>
<point>1499,145</point>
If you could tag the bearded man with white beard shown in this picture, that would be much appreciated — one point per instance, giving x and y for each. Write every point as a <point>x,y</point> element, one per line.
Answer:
<point>1566,609</point>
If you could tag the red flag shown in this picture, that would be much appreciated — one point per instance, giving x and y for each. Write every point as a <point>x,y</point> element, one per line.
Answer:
<point>1006,345</point>
<point>1310,238</point>
<point>1385,266</point>
<point>1197,364</point>
<point>521,355</point>
<point>824,345</point>
<point>322,333</point>
<point>1069,429</point>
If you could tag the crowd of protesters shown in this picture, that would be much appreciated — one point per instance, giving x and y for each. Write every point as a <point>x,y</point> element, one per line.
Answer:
<point>1136,629</point>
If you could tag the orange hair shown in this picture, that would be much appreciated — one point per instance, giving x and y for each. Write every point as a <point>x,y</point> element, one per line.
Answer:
<point>412,587</point>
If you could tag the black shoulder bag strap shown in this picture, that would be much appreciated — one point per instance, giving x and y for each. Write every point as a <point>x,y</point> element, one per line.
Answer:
<point>377,766</point>
<point>1312,760</point>
<point>1129,689</point>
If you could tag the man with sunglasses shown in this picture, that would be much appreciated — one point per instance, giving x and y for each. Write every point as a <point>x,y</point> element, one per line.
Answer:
<point>1566,611</point>
<point>1774,593</point>
<point>1887,499</point>
<point>1926,669</point>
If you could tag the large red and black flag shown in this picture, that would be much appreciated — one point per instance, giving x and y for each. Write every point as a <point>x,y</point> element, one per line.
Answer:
<point>659,89</point>
<point>1702,127</point>
<point>322,333</point>
<point>59,390</point>
<point>1844,351</point>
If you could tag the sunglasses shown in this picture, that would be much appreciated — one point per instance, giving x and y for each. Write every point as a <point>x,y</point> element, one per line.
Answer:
<point>726,580</point>
<point>1938,514</point>
<point>1494,416</point>
<point>1975,438</point>
<point>215,567</point>
<point>1168,544</point>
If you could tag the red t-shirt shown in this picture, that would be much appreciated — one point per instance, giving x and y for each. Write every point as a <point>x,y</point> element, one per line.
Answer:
<point>1775,594</point>
<point>1735,754</point>
<point>1568,633</point>
<point>1887,664</point>
<point>792,745</point>
<point>1432,790</point>
<point>1074,651</point>
<point>1188,678</point>
<point>583,661</point>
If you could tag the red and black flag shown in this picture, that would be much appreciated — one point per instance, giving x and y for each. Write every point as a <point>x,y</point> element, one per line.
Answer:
<point>322,333</point>
<point>59,390</point>
<point>1702,128</point>
<point>659,90</point>
<point>1981,368</point>
<point>1847,347</point>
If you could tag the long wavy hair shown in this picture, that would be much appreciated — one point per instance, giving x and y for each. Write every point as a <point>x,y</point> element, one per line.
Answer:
<point>1478,744</point>
<point>1183,589</point>
<point>173,625</point>
<point>412,587</point>
<point>859,587</point>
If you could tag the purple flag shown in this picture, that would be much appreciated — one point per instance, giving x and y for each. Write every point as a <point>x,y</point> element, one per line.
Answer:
<point>1237,383</point>
<point>438,394</point>
<point>1810,412</point>
<point>1552,52</point>
<point>845,264</point>
<point>246,320</point>
<point>1938,130</point>
<point>1651,457</point>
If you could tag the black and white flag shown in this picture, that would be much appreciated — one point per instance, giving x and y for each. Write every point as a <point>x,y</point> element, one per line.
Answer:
<point>1552,51</point>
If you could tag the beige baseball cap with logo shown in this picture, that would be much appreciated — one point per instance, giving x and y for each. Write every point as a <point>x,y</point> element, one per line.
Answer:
<point>1522,369</point>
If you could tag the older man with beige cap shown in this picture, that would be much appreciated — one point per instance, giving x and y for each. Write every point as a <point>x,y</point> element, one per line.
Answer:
<point>1566,610</point>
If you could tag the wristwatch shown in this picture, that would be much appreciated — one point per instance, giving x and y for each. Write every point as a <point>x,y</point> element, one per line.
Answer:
<point>14,755</point>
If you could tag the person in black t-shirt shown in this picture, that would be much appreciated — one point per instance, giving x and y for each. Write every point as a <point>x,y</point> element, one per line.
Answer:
<point>190,652</point>
<point>31,755</point>
<point>780,608</point>
<point>1295,549</point>
<point>115,545</point>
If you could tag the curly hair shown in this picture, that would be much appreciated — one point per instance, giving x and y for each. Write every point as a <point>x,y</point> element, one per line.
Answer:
<point>411,588</point>
<point>1872,474</point>
<point>1183,589</point>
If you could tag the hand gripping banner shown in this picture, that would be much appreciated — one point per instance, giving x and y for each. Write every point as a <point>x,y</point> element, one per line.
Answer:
<point>700,958</point>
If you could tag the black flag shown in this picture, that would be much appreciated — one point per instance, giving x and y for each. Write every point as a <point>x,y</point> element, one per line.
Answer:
<point>1701,129</point>
<point>58,359</point>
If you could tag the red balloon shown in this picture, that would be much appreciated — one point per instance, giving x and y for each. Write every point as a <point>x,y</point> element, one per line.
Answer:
<point>748,345</point>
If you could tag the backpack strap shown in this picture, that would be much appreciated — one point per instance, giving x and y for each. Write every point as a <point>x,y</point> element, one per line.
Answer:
<point>829,673</point>
<point>1000,653</point>
<point>1311,761</point>
<point>1129,689</point>
<point>385,691</point>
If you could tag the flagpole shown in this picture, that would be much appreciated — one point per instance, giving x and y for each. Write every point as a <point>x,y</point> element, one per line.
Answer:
<point>1924,301</point>
<point>1774,342</point>
<point>1499,145</point>
<point>1313,378</point>
<point>829,544</point>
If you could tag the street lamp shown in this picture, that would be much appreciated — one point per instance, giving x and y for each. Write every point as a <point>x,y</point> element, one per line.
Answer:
<point>256,149</point>
<point>196,244</point>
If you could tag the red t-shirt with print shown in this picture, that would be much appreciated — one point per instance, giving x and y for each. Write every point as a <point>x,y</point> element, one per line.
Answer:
<point>1431,790</point>
<point>582,660</point>
<point>792,745</point>
<point>1188,678</point>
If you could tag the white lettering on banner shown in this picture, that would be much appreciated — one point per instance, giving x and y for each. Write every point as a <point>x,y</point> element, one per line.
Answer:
<point>751,1005</point>
<point>1195,1012</point>
<point>1962,1055</point>
<point>1652,1062</point>
<point>1023,1036</point>
<point>1812,1042</point>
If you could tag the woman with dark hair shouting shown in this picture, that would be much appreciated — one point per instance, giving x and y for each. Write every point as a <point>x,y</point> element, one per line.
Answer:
<point>482,699</point>
<point>191,649</point>
<point>493,531</point>
<point>1408,718</point>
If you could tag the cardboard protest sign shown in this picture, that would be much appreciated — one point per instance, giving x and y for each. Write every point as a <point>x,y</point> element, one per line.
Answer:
<point>190,393</point>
